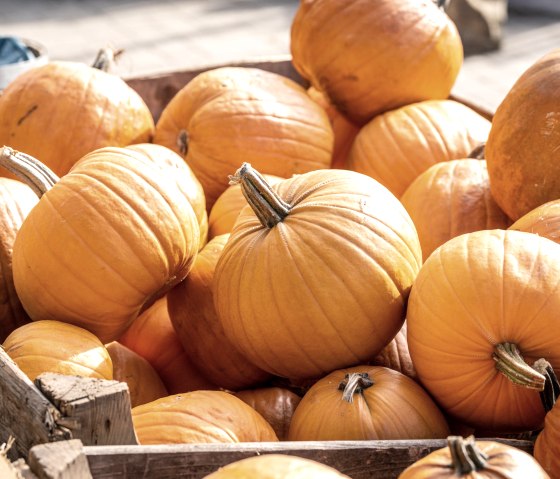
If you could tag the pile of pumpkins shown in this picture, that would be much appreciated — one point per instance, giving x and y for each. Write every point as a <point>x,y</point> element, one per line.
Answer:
<point>363,258</point>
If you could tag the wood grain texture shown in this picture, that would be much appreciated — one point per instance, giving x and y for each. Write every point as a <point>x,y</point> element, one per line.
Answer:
<point>61,460</point>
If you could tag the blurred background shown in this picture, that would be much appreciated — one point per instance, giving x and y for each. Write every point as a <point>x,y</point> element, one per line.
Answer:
<point>501,39</point>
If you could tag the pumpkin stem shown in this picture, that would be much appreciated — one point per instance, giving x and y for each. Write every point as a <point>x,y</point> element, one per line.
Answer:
<point>465,456</point>
<point>442,4</point>
<point>479,152</point>
<point>106,58</point>
<point>549,395</point>
<point>267,205</point>
<point>183,142</point>
<point>512,365</point>
<point>31,171</point>
<point>354,383</point>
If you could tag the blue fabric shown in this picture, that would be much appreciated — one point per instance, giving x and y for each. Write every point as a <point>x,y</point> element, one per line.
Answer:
<point>13,50</point>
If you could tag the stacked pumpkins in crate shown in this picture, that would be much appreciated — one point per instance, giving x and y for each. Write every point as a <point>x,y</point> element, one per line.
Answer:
<point>269,262</point>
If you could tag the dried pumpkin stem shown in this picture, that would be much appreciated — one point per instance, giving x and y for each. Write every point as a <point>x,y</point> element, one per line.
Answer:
<point>512,365</point>
<point>31,171</point>
<point>106,59</point>
<point>549,395</point>
<point>267,205</point>
<point>465,456</point>
<point>354,383</point>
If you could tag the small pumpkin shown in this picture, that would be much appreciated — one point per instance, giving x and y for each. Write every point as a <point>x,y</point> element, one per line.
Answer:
<point>396,355</point>
<point>522,147</point>
<point>152,336</point>
<point>449,199</point>
<point>378,55</point>
<point>144,383</point>
<point>103,242</point>
<point>57,347</point>
<point>276,466</point>
<point>200,417</point>
<point>544,221</point>
<point>398,145</point>
<point>318,248</point>
<point>475,459</point>
<point>366,403</point>
<point>229,115</point>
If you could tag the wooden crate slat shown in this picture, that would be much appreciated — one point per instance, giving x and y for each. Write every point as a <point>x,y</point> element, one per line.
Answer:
<point>61,460</point>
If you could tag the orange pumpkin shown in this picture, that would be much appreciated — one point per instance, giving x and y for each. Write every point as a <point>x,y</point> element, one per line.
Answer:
<point>449,199</point>
<point>365,403</point>
<point>144,383</point>
<point>319,248</point>
<point>153,337</point>
<point>396,355</point>
<point>200,417</point>
<point>193,315</point>
<point>16,201</point>
<point>103,242</point>
<point>397,146</point>
<point>482,310</point>
<point>81,107</point>
<point>229,115</point>
<point>370,56</point>
<point>544,221</point>
<point>57,347</point>
<point>522,147</point>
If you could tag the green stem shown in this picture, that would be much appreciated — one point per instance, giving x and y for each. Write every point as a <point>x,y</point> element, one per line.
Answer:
<point>267,205</point>
<point>30,170</point>
<point>466,458</point>
<point>354,383</point>
<point>512,365</point>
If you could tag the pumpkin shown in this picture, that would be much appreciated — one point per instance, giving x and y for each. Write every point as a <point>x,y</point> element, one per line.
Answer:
<point>16,200</point>
<point>152,336</point>
<point>57,347</point>
<point>449,199</point>
<point>318,248</point>
<point>193,315</point>
<point>82,109</point>
<point>482,310</point>
<point>229,115</point>
<point>103,242</point>
<point>475,460</point>
<point>366,403</point>
<point>276,405</point>
<point>275,466</point>
<point>522,147</point>
<point>343,129</point>
<point>370,56</point>
<point>396,355</point>
<point>397,146</point>
<point>544,221</point>
<point>199,417</point>
<point>144,383</point>
<point>227,207</point>
<point>187,182</point>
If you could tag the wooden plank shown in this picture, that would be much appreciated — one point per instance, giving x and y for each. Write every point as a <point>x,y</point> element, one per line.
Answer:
<point>97,411</point>
<point>61,460</point>
<point>358,459</point>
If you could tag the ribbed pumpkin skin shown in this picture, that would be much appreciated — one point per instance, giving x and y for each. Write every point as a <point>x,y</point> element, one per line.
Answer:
<point>81,107</point>
<point>193,315</point>
<point>110,236</point>
<point>370,56</point>
<point>474,292</point>
<point>187,182</point>
<point>276,466</point>
<point>544,221</point>
<point>396,355</point>
<point>153,337</point>
<point>397,146</point>
<point>546,450</point>
<point>522,148</point>
<point>16,201</point>
<point>57,347</point>
<point>227,207</point>
<point>348,249</point>
<point>504,462</point>
<point>449,199</point>
<point>144,383</point>
<point>276,405</point>
<point>200,417</point>
<point>395,407</point>
<point>233,115</point>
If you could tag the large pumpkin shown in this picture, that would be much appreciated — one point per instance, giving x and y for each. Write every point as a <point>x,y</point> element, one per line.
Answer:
<point>229,115</point>
<point>62,110</point>
<point>482,310</point>
<point>323,247</point>
<point>522,148</point>
<point>370,56</point>
<point>103,242</point>
<point>397,146</point>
